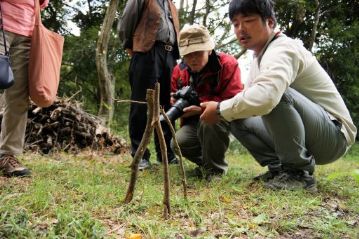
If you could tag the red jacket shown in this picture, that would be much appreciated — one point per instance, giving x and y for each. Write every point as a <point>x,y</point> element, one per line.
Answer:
<point>219,80</point>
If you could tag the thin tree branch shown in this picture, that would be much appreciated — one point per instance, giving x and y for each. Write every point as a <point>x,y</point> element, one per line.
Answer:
<point>141,148</point>
<point>178,152</point>
<point>161,139</point>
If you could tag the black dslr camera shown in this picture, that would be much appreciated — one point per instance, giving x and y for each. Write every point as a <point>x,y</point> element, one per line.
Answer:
<point>185,97</point>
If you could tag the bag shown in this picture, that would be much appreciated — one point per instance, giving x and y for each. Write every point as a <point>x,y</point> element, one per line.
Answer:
<point>6,74</point>
<point>45,62</point>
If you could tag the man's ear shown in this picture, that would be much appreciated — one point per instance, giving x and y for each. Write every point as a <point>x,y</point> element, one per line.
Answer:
<point>271,22</point>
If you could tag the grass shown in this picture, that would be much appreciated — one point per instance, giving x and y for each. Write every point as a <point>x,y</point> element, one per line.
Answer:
<point>81,197</point>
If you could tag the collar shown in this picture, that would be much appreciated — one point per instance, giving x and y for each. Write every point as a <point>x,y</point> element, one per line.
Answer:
<point>272,37</point>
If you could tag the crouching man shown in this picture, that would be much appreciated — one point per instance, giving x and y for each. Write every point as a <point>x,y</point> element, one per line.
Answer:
<point>290,116</point>
<point>213,77</point>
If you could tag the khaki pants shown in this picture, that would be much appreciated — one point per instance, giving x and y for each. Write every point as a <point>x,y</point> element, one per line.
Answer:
<point>16,97</point>
<point>205,144</point>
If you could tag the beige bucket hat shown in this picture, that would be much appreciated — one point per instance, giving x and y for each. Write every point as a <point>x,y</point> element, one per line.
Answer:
<point>194,38</point>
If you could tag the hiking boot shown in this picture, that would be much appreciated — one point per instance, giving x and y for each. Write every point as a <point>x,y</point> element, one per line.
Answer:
<point>202,173</point>
<point>196,172</point>
<point>213,177</point>
<point>11,167</point>
<point>293,180</point>
<point>144,164</point>
<point>265,177</point>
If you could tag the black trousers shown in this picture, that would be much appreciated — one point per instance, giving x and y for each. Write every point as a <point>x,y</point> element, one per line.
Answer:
<point>146,69</point>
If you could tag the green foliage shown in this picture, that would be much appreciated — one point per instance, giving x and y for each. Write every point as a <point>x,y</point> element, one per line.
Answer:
<point>340,56</point>
<point>79,73</point>
<point>336,41</point>
<point>213,15</point>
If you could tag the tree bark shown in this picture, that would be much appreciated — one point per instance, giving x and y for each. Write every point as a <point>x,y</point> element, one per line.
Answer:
<point>208,10</point>
<point>181,5</point>
<point>193,12</point>
<point>315,25</point>
<point>141,148</point>
<point>105,78</point>
<point>178,152</point>
<point>161,139</point>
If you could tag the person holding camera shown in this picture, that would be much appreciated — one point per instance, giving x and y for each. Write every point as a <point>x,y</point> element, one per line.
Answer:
<point>204,75</point>
<point>290,116</point>
<point>148,30</point>
<point>18,21</point>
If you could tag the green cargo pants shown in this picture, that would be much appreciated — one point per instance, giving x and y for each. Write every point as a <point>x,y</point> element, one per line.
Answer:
<point>205,144</point>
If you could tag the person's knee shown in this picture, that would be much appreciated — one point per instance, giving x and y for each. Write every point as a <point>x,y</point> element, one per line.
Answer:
<point>182,141</point>
<point>287,97</point>
<point>203,127</point>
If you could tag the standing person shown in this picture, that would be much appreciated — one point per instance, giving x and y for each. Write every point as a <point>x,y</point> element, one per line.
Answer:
<point>18,22</point>
<point>148,30</point>
<point>212,76</point>
<point>291,116</point>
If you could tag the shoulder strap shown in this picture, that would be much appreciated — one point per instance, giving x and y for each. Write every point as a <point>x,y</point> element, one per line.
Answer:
<point>2,30</point>
<point>37,13</point>
<point>273,37</point>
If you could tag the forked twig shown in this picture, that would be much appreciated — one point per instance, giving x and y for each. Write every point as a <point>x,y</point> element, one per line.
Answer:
<point>178,152</point>
<point>141,148</point>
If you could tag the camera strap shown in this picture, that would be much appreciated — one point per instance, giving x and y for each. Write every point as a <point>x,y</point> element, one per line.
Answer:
<point>2,30</point>
<point>193,79</point>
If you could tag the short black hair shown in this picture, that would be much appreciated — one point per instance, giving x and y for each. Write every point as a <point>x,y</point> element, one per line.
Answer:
<point>265,8</point>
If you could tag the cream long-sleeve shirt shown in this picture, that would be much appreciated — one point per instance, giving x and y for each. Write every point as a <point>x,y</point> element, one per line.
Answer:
<point>286,63</point>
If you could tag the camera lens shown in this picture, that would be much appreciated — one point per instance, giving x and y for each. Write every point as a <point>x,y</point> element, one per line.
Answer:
<point>176,110</point>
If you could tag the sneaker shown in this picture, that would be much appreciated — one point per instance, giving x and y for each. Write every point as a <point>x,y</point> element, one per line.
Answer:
<point>144,164</point>
<point>11,167</point>
<point>173,160</point>
<point>265,177</point>
<point>293,180</point>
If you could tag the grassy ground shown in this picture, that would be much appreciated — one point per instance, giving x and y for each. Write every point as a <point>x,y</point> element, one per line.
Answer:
<point>81,197</point>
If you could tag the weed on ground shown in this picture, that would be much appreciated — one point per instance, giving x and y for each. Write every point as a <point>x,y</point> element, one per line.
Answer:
<point>81,197</point>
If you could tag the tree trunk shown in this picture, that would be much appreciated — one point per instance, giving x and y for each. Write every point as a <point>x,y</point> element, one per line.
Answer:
<point>181,5</point>
<point>105,78</point>
<point>315,25</point>
<point>193,12</point>
<point>208,10</point>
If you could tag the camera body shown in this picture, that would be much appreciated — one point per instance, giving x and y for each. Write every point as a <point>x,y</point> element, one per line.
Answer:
<point>185,97</point>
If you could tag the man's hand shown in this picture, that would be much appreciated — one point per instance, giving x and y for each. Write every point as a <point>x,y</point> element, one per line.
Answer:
<point>129,52</point>
<point>191,111</point>
<point>209,114</point>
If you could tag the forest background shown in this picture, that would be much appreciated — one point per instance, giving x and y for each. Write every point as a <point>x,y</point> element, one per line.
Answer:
<point>95,67</point>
